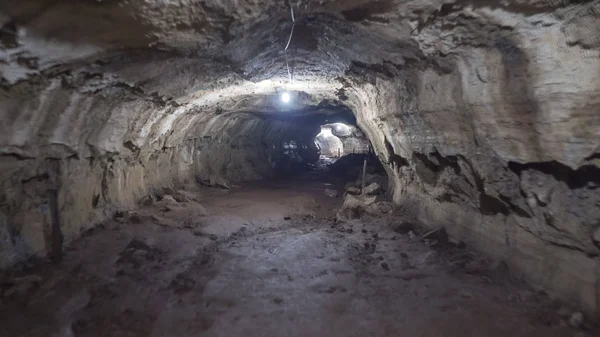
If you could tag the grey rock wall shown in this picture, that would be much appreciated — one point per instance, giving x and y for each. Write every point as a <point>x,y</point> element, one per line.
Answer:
<point>104,149</point>
<point>500,146</point>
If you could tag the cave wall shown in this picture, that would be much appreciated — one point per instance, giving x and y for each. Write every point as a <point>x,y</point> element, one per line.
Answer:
<point>90,190</point>
<point>98,145</point>
<point>498,143</point>
<point>104,144</point>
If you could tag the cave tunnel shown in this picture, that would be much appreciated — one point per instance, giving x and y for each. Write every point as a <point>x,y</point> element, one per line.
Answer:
<point>299,168</point>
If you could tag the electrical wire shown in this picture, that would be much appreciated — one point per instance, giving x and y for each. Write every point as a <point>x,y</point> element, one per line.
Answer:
<point>288,44</point>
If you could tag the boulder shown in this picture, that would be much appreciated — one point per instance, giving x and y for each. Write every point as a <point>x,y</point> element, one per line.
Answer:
<point>380,207</point>
<point>373,189</point>
<point>353,190</point>
<point>354,201</point>
<point>355,205</point>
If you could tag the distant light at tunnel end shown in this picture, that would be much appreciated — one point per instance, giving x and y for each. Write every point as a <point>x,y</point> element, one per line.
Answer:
<point>285,97</point>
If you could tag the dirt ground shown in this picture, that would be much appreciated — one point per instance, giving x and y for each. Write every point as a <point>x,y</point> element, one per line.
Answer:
<point>269,259</point>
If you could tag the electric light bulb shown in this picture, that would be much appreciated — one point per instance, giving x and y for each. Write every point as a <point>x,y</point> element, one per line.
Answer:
<point>285,97</point>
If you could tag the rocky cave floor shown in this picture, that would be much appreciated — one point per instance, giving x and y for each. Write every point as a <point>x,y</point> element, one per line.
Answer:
<point>269,259</point>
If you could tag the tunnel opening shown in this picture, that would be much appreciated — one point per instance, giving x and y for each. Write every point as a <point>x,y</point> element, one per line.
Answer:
<point>329,145</point>
<point>338,139</point>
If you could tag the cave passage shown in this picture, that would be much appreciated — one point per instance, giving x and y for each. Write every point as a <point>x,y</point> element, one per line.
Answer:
<point>329,145</point>
<point>285,255</point>
<point>299,168</point>
<point>306,250</point>
<point>338,139</point>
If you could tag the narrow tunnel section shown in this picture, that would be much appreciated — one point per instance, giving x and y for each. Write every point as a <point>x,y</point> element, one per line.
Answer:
<point>338,139</point>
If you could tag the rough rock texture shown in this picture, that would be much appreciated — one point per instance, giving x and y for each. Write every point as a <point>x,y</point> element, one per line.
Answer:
<point>484,114</point>
<point>498,140</point>
<point>348,138</point>
<point>104,145</point>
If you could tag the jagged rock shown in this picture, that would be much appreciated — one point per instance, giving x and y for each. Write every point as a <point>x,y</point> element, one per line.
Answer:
<point>355,205</point>
<point>353,190</point>
<point>380,208</point>
<point>373,189</point>
<point>359,201</point>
